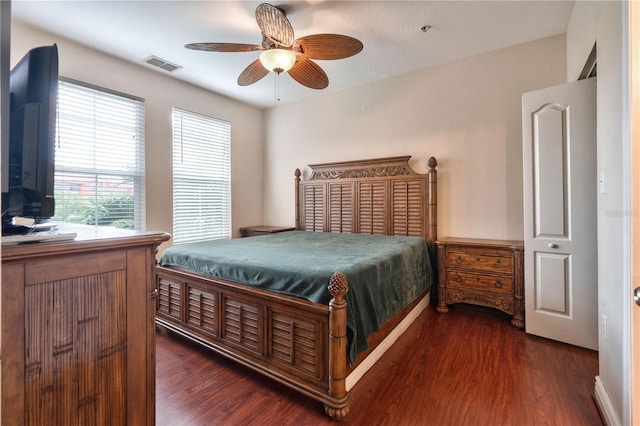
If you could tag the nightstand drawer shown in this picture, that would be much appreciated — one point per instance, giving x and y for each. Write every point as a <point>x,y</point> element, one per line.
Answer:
<point>503,284</point>
<point>480,262</point>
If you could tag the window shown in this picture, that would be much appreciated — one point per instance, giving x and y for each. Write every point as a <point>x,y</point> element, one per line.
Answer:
<point>201,177</point>
<point>99,173</point>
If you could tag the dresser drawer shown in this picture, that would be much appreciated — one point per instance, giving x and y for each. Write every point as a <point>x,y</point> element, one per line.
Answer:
<point>481,262</point>
<point>502,284</point>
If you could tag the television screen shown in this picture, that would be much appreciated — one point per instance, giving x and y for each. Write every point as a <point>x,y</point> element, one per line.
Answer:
<point>30,164</point>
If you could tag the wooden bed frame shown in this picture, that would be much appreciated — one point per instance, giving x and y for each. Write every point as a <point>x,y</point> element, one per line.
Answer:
<point>293,341</point>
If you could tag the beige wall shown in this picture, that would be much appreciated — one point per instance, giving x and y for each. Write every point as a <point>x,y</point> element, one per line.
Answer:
<point>467,114</point>
<point>606,23</point>
<point>161,94</point>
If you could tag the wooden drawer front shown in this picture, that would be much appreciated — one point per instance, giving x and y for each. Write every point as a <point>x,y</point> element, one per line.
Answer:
<point>240,321</point>
<point>201,310</point>
<point>296,343</point>
<point>501,284</point>
<point>480,262</point>
<point>169,293</point>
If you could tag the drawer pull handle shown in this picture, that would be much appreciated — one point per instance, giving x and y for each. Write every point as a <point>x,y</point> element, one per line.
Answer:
<point>458,260</point>
<point>498,263</point>
<point>478,278</point>
<point>498,284</point>
<point>553,245</point>
<point>154,294</point>
<point>458,278</point>
<point>477,259</point>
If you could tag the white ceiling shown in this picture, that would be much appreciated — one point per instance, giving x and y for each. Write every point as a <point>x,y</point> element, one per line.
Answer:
<point>390,31</point>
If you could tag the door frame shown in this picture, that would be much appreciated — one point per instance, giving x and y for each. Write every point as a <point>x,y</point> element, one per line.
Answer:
<point>634,117</point>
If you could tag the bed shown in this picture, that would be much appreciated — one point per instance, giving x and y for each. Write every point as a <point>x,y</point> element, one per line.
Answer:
<point>315,342</point>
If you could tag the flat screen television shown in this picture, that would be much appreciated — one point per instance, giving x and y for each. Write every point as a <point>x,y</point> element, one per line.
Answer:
<point>30,163</point>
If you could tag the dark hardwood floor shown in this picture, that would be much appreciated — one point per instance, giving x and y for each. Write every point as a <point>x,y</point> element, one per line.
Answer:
<point>468,367</point>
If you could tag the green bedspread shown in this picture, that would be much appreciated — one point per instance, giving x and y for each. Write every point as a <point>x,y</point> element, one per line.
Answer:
<point>384,273</point>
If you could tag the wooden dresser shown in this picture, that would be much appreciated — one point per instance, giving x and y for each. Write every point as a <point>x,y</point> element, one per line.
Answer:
<point>252,231</point>
<point>482,272</point>
<point>78,330</point>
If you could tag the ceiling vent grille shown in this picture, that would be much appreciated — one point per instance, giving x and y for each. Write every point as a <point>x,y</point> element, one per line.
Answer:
<point>161,63</point>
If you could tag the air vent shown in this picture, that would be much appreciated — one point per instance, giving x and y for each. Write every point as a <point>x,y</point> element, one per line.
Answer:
<point>161,63</point>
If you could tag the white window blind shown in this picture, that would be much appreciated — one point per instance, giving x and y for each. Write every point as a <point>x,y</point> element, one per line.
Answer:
<point>201,177</point>
<point>99,175</point>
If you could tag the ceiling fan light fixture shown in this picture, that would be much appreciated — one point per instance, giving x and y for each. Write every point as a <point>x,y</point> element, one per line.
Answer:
<point>278,60</point>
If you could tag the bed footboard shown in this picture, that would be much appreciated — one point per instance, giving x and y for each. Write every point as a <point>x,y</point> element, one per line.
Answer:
<point>296,342</point>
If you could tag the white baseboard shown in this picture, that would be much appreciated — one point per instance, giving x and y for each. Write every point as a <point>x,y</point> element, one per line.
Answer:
<point>607,411</point>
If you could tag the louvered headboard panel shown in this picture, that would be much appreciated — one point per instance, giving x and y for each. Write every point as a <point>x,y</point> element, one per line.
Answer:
<point>379,196</point>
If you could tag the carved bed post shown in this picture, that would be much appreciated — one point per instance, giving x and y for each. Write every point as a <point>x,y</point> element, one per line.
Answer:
<point>297,224</point>
<point>432,233</point>
<point>341,404</point>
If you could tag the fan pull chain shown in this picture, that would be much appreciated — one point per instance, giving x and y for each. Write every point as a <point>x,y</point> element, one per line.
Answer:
<point>277,87</point>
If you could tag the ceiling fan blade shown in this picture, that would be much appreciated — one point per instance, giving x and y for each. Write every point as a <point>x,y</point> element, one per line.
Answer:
<point>254,72</point>
<point>328,46</point>
<point>308,73</point>
<point>223,47</point>
<point>274,25</point>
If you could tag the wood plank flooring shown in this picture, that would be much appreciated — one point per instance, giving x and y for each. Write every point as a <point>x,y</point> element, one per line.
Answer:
<point>468,367</point>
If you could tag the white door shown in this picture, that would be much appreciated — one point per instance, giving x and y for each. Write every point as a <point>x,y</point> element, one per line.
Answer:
<point>560,234</point>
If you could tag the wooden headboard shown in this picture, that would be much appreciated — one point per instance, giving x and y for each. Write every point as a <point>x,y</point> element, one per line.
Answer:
<point>380,196</point>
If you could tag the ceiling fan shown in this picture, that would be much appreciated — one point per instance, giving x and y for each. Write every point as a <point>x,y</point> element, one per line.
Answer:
<point>282,53</point>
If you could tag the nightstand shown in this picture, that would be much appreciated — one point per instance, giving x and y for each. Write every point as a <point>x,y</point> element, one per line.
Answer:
<point>482,272</point>
<point>252,231</point>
